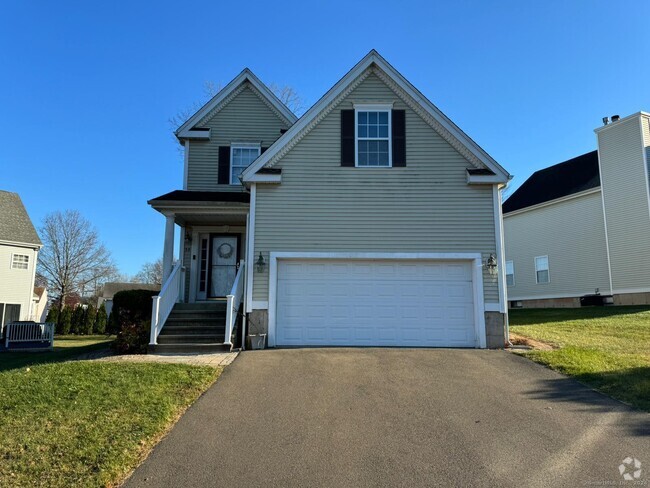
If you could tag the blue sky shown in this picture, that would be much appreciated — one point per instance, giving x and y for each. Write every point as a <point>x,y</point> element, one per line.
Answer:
<point>87,88</point>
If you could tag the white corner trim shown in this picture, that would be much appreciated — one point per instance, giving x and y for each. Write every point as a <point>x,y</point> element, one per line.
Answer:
<point>428,110</point>
<point>500,245</point>
<point>477,280</point>
<point>250,249</point>
<point>186,162</point>
<point>602,199</point>
<point>644,152</point>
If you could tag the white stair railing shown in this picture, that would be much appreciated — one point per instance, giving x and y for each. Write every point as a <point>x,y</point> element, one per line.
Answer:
<point>164,302</point>
<point>233,300</point>
<point>29,332</point>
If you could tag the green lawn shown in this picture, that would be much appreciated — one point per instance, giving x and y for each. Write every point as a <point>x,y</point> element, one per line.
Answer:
<point>607,348</point>
<point>65,347</point>
<point>86,423</point>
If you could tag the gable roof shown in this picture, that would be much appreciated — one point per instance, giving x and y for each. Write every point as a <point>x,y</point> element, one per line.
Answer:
<point>416,100</point>
<point>223,97</point>
<point>573,176</point>
<point>15,224</point>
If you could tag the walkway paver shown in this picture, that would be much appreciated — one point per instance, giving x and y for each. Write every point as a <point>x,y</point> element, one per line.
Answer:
<point>216,360</point>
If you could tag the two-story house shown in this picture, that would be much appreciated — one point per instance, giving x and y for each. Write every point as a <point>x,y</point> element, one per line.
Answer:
<point>582,227</point>
<point>372,220</point>
<point>19,246</point>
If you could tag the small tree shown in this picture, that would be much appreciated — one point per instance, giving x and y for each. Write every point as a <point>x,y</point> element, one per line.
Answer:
<point>65,321</point>
<point>100,320</point>
<point>52,315</point>
<point>89,320</point>
<point>78,316</point>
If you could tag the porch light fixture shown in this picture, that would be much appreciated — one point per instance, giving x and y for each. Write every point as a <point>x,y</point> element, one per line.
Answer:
<point>491,264</point>
<point>260,264</point>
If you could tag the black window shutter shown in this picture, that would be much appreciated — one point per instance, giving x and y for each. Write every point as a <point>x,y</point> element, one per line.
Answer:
<point>224,165</point>
<point>347,138</point>
<point>399,138</point>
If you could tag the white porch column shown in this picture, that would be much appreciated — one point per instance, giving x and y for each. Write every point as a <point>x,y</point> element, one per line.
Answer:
<point>168,250</point>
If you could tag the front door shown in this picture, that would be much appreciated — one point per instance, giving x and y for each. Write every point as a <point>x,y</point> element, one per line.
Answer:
<point>222,269</point>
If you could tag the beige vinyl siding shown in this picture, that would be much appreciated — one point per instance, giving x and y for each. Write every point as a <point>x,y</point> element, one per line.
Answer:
<point>572,234</point>
<point>17,285</point>
<point>645,121</point>
<point>425,207</point>
<point>246,118</point>
<point>625,190</point>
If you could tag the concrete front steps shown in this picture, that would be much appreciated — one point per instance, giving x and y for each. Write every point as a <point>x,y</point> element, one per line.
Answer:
<point>193,327</point>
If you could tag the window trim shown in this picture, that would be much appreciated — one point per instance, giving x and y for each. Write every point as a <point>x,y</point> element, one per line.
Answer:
<point>242,145</point>
<point>373,107</point>
<point>512,265</point>
<point>13,255</point>
<point>548,270</point>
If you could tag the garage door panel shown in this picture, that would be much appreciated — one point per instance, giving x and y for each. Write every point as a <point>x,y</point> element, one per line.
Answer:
<point>391,303</point>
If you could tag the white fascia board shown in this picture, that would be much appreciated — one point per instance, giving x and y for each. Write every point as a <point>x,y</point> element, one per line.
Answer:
<point>195,135</point>
<point>371,58</point>
<point>185,130</point>
<point>21,244</point>
<point>257,178</point>
<point>485,179</point>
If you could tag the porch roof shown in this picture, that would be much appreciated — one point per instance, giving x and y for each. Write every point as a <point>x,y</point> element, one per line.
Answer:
<point>202,196</point>
<point>203,206</point>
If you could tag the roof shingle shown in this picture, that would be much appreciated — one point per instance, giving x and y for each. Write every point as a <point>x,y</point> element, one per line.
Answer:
<point>573,176</point>
<point>15,224</point>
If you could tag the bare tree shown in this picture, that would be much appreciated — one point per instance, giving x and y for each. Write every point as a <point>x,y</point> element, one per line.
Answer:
<point>150,273</point>
<point>210,89</point>
<point>289,96</point>
<point>72,258</point>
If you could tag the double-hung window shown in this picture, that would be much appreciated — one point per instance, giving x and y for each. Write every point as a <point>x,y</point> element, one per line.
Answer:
<point>20,261</point>
<point>241,156</point>
<point>373,129</point>
<point>541,270</point>
<point>510,273</point>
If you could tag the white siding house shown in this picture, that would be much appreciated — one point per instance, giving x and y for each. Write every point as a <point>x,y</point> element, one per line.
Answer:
<point>19,246</point>
<point>590,216</point>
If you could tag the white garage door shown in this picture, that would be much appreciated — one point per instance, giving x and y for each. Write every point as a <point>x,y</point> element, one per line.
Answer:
<point>375,303</point>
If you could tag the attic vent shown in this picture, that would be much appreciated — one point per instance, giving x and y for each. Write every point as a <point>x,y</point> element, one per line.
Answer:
<point>615,118</point>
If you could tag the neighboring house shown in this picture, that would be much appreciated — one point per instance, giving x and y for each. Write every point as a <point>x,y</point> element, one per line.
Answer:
<point>582,227</point>
<point>19,246</point>
<point>40,304</point>
<point>110,289</point>
<point>373,220</point>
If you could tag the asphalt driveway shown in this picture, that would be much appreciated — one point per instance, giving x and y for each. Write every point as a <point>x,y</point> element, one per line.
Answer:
<point>397,417</point>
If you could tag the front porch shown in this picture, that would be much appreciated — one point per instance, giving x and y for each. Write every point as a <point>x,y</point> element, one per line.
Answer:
<point>200,306</point>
